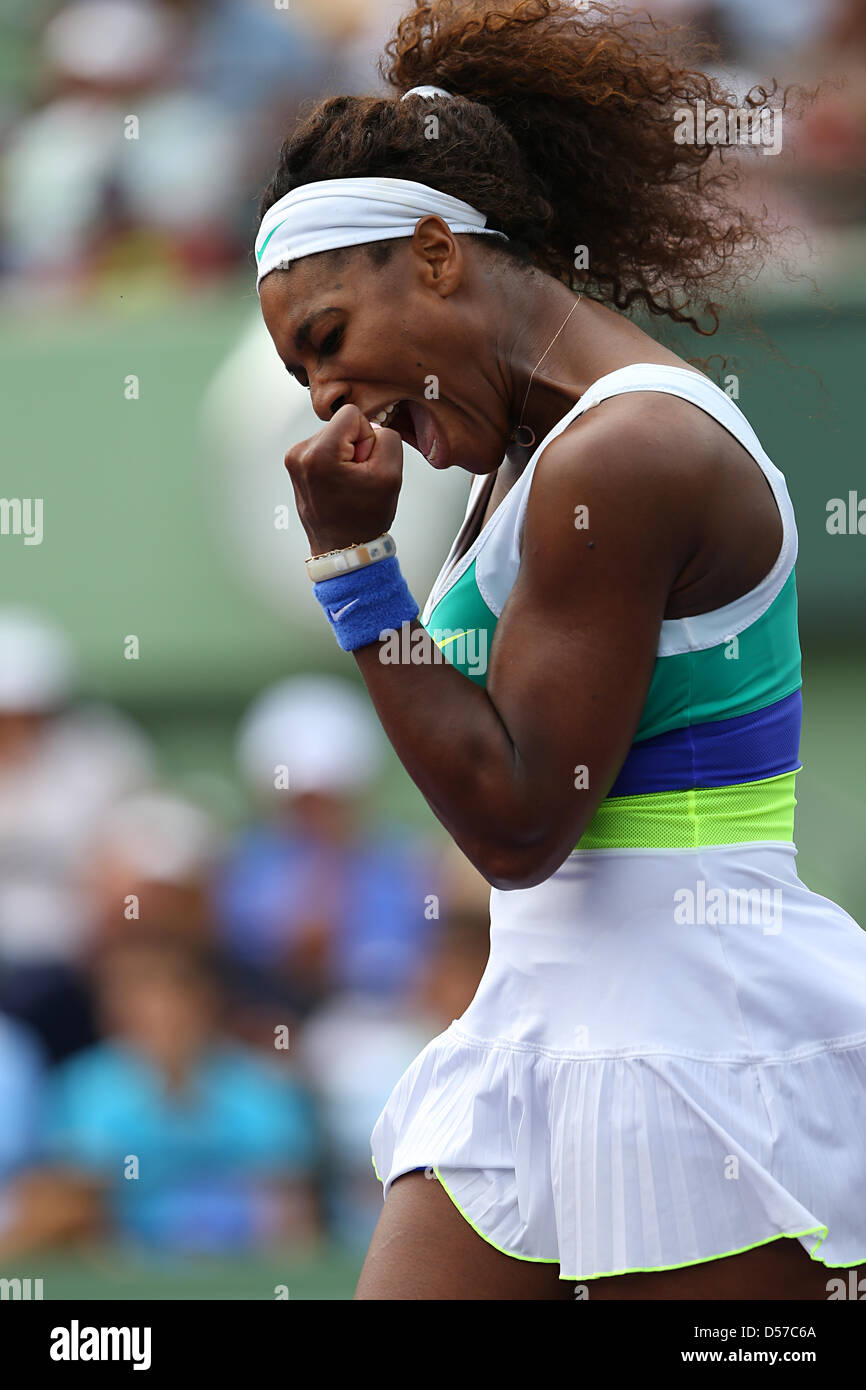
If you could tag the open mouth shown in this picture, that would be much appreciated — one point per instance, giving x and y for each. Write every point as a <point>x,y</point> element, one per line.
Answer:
<point>415,425</point>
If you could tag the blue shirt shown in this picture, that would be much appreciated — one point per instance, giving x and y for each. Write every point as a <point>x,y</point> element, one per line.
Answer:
<point>201,1155</point>
<point>383,933</point>
<point>21,1063</point>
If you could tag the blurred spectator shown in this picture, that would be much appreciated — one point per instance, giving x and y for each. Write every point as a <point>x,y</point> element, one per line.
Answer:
<point>61,768</point>
<point>150,866</point>
<point>311,901</point>
<point>21,1083</point>
<point>21,1064</point>
<point>771,32</point>
<point>360,29</point>
<point>154,123</point>
<point>190,1141</point>
<point>152,130</point>
<point>829,171</point>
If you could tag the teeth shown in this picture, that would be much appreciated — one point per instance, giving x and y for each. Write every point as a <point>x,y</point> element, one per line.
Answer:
<point>385,415</point>
<point>431,457</point>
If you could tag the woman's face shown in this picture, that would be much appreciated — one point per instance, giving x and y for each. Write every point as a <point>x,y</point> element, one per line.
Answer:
<point>420,331</point>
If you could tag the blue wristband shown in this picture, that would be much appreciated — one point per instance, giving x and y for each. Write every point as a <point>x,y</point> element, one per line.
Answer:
<point>366,602</point>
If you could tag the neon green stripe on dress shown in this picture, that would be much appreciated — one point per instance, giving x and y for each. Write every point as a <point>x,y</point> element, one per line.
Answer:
<point>702,816</point>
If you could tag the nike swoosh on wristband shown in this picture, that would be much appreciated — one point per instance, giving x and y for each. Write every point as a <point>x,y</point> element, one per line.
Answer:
<point>337,613</point>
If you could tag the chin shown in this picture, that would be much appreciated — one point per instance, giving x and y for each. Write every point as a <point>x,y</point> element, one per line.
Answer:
<point>472,465</point>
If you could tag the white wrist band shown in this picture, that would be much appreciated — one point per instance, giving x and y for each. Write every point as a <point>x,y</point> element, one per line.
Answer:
<point>351,557</point>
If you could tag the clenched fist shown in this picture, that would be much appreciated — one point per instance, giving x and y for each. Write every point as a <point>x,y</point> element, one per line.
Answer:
<point>346,480</point>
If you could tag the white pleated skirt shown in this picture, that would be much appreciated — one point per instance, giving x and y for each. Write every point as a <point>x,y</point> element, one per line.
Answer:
<point>664,1063</point>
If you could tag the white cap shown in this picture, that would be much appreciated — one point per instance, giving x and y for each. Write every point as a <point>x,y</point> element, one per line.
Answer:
<point>159,836</point>
<point>321,728</point>
<point>37,669</point>
<point>110,40</point>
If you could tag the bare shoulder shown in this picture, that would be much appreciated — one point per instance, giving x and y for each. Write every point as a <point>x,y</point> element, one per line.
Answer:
<point>664,492</point>
<point>637,465</point>
<point>648,440</point>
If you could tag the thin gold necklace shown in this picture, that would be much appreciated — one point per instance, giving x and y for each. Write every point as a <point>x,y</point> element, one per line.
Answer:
<point>529,443</point>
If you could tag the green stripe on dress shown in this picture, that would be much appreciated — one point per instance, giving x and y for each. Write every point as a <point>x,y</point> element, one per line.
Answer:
<point>761,810</point>
<point>463,610</point>
<point>720,682</point>
<point>735,677</point>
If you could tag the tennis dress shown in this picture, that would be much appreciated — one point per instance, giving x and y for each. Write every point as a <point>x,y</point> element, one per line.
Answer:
<point>665,1060</point>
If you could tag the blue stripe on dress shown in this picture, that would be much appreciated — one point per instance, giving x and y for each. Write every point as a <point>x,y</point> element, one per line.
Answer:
<point>764,743</point>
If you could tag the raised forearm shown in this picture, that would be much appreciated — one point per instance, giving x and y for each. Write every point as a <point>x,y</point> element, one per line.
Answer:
<point>451,740</point>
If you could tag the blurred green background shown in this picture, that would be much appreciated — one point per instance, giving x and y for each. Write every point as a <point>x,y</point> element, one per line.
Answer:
<point>109,1274</point>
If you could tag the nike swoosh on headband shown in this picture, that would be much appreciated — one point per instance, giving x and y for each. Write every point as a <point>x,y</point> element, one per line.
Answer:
<point>261,252</point>
<point>327,214</point>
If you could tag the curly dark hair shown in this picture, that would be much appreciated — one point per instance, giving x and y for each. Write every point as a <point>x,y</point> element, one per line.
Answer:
<point>562,133</point>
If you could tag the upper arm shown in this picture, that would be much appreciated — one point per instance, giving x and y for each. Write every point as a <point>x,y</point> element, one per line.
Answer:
<point>575,646</point>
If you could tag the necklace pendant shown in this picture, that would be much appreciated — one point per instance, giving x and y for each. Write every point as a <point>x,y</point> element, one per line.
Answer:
<point>523,436</point>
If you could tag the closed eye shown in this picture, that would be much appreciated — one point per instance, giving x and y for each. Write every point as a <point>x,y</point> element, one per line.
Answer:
<point>329,345</point>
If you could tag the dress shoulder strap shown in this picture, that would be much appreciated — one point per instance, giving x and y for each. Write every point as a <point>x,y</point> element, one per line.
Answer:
<point>706,629</point>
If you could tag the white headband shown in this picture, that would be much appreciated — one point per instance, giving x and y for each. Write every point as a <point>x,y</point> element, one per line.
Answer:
<point>327,213</point>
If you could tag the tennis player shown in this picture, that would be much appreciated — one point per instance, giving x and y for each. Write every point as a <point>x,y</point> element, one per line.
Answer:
<point>659,1090</point>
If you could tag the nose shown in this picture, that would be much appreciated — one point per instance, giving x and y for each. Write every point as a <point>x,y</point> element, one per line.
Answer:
<point>327,400</point>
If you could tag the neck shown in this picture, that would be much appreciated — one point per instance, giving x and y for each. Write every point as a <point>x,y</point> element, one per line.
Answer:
<point>593,341</point>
